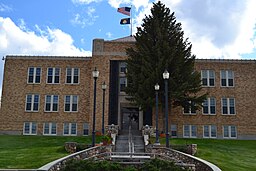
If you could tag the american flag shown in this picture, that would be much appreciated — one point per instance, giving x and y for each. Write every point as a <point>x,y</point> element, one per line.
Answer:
<point>124,10</point>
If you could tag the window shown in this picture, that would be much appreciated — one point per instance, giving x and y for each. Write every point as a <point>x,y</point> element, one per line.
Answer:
<point>69,129</point>
<point>210,131</point>
<point>123,83</point>
<point>209,106</point>
<point>30,128</point>
<point>34,75</point>
<point>32,103</point>
<point>72,75</point>
<point>229,131</point>
<point>50,128</point>
<point>227,78</point>
<point>208,77</point>
<point>123,67</point>
<point>71,103</point>
<point>189,131</point>
<point>174,130</point>
<point>53,75</point>
<point>189,108</point>
<point>86,129</point>
<point>51,103</point>
<point>228,106</point>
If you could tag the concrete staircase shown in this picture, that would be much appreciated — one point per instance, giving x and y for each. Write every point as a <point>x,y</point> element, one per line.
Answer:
<point>132,143</point>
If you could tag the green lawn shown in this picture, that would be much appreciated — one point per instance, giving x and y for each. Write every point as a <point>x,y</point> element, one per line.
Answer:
<point>29,152</point>
<point>229,155</point>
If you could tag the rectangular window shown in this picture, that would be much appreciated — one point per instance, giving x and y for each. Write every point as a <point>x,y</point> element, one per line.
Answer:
<point>71,103</point>
<point>69,129</point>
<point>34,75</point>
<point>123,83</point>
<point>209,106</point>
<point>123,67</point>
<point>208,78</point>
<point>72,75</point>
<point>53,75</point>
<point>50,128</point>
<point>86,129</point>
<point>173,130</point>
<point>189,131</point>
<point>227,78</point>
<point>229,131</point>
<point>210,131</point>
<point>189,108</point>
<point>228,106</point>
<point>32,103</point>
<point>51,103</point>
<point>29,128</point>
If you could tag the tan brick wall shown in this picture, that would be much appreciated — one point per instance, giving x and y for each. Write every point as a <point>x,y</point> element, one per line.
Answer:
<point>15,88</point>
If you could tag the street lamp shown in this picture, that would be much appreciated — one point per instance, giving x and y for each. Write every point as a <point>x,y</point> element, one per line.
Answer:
<point>95,74</point>
<point>166,78</point>
<point>157,134</point>
<point>104,87</point>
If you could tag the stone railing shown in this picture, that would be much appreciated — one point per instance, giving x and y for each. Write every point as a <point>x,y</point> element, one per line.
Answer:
<point>88,153</point>
<point>180,157</point>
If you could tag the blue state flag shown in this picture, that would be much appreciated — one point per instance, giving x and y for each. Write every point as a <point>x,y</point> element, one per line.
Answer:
<point>125,21</point>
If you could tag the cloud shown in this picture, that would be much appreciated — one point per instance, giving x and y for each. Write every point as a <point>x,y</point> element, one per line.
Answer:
<point>85,20</point>
<point>216,29</point>
<point>5,8</point>
<point>85,1</point>
<point>19,40</point>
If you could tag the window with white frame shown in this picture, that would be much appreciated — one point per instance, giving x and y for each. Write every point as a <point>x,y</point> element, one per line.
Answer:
<point>34,75</point>
<point>71,103</point>
<point>174,130</point>
<point>86,129</point>
<point>189,108</point>
<point>123,83</point>
<point>229,131</point>
<point>123,67</point>
<point>51,103</point>
<point>29,128</point>
<point>50,128</point>
<point>208,78</point>
<point>210,131</point>
<point>53,75</point>
<point>189,131</point>
<point>209,106</point>
<point>72,75</point>
<point>227,78</point>
<point>69,129</point>
<point>228,106</point>
<point>32,103</point>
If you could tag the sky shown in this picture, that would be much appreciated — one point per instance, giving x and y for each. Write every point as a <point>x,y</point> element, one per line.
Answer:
<point>217,29</point>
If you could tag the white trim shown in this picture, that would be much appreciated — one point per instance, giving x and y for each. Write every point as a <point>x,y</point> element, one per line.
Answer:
<point>209,131</point>
<point>228,106</point>
<point>72,75</point>
<point>208,77</point>
<point>50,128</point>
<point>190,131</point>
<point>53,75</point>
<point>51,103</point>
<point>34,75</point>
<point>32,103</point>
<point>30,128</point>
<point>229,131</point>
<point>71,103</point>
<point>226,75</point>
<point>69,129</point>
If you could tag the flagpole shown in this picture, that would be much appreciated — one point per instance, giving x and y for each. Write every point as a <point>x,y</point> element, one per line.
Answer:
<point>131,20</point>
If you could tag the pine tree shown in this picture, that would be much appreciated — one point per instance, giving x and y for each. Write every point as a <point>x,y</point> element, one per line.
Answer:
<point>160,45</point>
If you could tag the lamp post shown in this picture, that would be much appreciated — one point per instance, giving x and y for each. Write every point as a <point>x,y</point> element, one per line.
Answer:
<point>166,78</point>
<point>157,133</point>
<point>104,87</point>
<point>95,74</point>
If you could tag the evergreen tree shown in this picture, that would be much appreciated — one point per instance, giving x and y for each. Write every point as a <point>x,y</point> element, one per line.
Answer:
<point>160,45</point>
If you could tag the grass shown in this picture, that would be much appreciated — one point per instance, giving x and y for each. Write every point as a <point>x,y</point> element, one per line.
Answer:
<point>228,155</point>
<point>30,152</point>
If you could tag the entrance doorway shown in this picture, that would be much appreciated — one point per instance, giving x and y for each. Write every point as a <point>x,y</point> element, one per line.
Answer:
<point>130,117</point>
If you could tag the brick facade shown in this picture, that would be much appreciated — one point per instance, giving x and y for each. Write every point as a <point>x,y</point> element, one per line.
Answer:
<point>15,88</point>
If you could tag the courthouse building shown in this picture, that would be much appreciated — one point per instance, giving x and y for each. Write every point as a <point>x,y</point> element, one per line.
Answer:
<point>53,95</point>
